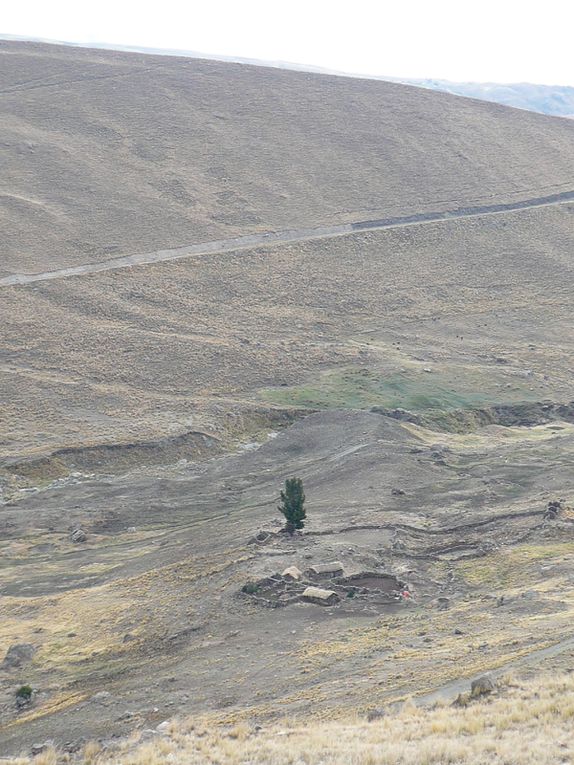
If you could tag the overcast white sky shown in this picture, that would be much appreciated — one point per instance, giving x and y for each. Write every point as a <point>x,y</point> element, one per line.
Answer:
<point>480,40</point>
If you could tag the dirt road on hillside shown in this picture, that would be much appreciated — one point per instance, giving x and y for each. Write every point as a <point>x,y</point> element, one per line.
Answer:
<point>283,237</point>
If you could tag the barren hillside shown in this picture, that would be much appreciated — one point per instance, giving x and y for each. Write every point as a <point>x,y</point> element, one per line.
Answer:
<point>108,153</point>
<point>164,348</point>
<point>415,373</point>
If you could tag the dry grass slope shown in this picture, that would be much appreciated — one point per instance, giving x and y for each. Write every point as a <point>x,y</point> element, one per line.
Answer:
<point>154,351</point>
<point>527,723</point>
<point>109,153</point>
<point>114,385</point>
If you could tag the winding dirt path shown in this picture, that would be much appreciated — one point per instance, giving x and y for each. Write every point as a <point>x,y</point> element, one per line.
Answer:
<point>283,237</point>
<point>452,689</point>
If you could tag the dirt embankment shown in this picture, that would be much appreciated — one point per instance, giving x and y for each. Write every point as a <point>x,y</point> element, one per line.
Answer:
<point>468,420</point>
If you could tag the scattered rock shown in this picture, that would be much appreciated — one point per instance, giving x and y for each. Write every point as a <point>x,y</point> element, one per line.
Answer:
<point>482,686</point>
<point>39,748</point>
<point>462,700</point>
<point>397,492</point>
<point>163,727</point>
<point>102,697</point>
<point>398,414</point>
<point>443,603</point>
<point>553,510</point>
<point>72,746</point>
<point>375,714</point>
<point>279,551</point>
<point>226,702</point>
<point>458,632</point>
<point>530,595</point>
<point>127,638</point>
<point>548,570</point>
<point>260,538</point>
<point>18,654</point>
<point>148,734</point>
<point>78,535</point>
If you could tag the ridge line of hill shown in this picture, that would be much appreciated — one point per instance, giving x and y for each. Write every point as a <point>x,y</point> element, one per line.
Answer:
<point>283,237</point>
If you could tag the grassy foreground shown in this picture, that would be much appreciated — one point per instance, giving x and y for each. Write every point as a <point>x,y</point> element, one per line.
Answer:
<point>526,723</point>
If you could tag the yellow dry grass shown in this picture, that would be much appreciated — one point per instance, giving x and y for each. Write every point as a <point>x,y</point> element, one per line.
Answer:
<point>525,724</point>
<point>56,704</point>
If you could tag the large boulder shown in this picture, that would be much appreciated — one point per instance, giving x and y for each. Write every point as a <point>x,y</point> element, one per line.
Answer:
<point>78,535</point>
<point>482,686</point>
<point>553,510</point>
<point>17,655</point>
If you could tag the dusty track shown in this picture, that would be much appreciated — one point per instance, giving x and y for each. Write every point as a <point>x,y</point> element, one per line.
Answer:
<point>451,690</point>
<point>283,237</point>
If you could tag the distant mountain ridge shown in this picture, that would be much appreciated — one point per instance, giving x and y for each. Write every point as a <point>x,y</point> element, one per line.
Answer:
<point>556,100</point>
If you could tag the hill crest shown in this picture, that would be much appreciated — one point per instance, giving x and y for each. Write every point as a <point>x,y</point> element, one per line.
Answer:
<point>111,153</point>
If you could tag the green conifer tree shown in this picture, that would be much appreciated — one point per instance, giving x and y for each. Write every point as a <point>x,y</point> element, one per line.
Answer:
<point>292,505</point>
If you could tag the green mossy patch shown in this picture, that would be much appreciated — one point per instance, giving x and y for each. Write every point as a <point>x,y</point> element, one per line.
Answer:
<point>415,390</point>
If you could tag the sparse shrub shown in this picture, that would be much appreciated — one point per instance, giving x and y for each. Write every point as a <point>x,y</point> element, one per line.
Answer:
<point>292,505</point>
<point>90,751</point>
<point>24,693</point>
<point>49,756</point>
<point>250,588</point>
<point>240,731</point>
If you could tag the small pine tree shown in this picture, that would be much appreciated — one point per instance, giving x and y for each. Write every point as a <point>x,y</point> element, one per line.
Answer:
<point>292,505</point>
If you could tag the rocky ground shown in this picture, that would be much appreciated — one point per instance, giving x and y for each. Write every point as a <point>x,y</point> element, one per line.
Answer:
<point>145,617</point>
